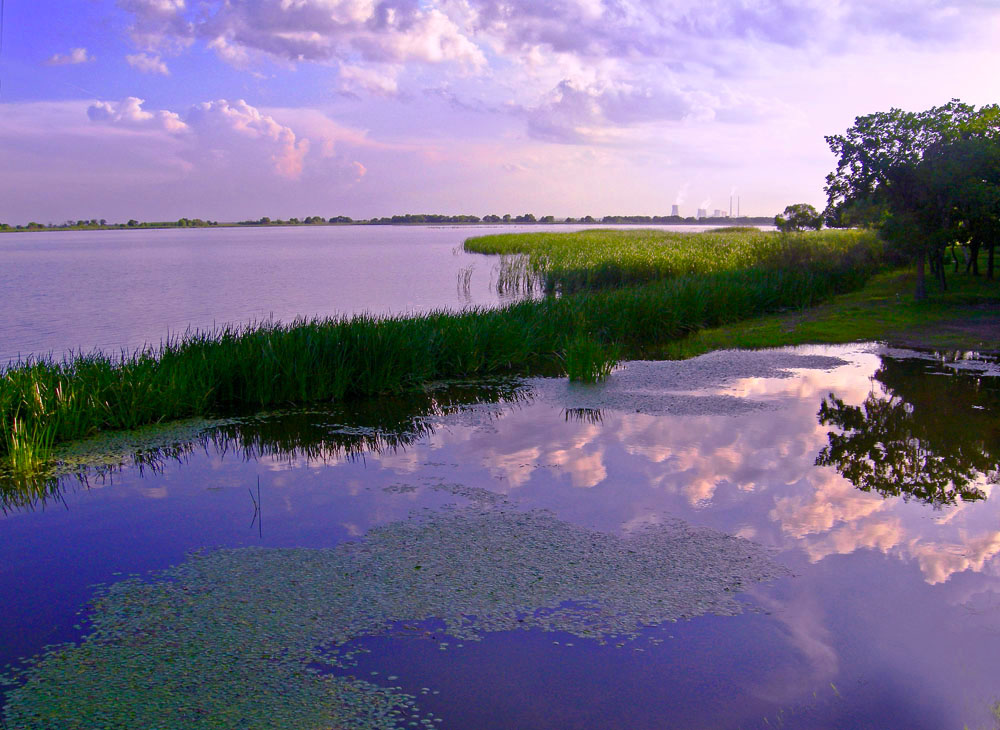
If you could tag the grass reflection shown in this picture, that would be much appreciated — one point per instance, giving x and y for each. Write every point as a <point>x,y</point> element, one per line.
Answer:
<point>346,432</point>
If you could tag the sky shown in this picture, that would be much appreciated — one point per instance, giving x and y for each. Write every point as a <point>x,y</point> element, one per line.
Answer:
<point>237,109</point>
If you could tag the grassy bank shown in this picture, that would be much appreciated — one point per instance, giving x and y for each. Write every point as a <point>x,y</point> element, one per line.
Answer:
<point>594,259</point>
<point>236,369</point>
<point>965,317</point>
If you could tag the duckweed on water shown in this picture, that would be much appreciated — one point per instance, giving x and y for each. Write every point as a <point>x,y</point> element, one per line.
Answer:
<point>233,638</point>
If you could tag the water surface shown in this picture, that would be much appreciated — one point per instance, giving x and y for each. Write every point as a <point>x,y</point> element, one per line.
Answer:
<point>108,290</point>
<point>890,617</point>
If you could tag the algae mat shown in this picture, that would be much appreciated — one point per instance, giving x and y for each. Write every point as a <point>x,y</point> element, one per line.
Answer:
<point>247,638</point>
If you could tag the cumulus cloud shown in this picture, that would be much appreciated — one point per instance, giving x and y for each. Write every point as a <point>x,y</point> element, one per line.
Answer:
<point>575,71</point>
<point>577,113</point>
<point>687,30</point>
<point>147,63</point>
<point>833,501</point>
<point>239,132</point>
<point>392,31</point>
<point>129,113</point>
<point>220,133</point>
<point>74,57</point>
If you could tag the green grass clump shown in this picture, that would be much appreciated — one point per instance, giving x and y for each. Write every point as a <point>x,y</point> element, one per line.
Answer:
<point>237,369</point>
<point>591,259</point>
<point>588,361</point>
<point>28,446</point>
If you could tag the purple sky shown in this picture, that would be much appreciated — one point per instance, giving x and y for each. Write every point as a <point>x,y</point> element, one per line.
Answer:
<point>157,109</point>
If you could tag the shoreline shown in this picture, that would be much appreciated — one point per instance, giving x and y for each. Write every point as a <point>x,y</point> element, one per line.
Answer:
<point>720,222</point>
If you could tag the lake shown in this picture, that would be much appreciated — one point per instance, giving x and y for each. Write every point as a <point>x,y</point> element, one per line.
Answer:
<point>802,538</point>
<point>122,289</point>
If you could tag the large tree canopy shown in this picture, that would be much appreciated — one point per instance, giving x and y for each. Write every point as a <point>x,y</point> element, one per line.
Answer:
<point>925,179</point>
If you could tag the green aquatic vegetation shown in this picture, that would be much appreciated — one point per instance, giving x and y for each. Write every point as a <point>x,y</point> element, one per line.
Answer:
<point>588,361</point>
<point>240,638</point>
<point>238,369</point>
<point>28,446</point>
<point>318,434</point>
<point>568,262</point>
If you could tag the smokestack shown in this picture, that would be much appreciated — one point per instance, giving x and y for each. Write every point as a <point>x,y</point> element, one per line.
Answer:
<point>702,213</point>
<point>675,210</point>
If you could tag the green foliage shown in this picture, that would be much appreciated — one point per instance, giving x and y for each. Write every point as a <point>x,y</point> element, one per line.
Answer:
<point>927,180</point>
<point>588,361</point>
<point>879,143</point>
<point>798,217</point>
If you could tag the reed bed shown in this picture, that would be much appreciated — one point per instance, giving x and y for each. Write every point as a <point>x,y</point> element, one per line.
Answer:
<point>237,369</point>
<point>601,258</point>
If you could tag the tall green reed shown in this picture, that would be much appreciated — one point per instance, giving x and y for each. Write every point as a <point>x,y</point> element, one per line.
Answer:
<point>270,364</point>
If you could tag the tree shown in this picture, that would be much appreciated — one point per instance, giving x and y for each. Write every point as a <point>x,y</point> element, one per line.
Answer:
<point>798,217</point>
<point>896,171</point>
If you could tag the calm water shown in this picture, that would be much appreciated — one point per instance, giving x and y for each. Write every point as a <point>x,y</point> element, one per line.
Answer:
<point>891,618</point>
<point>110,290</point>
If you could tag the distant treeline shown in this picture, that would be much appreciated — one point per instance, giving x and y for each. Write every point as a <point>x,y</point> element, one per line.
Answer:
<point>408,219</point>
<point>102,224</point>
<point>435,218</point>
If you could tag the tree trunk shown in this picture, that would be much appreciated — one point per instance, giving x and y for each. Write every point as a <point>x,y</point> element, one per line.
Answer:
<point>973,264</point>
<point>989,261</point>
<point>921,292</point>
<point>940,270</point>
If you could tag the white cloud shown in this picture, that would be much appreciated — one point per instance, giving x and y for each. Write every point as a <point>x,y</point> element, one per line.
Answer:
<point>74,57</point>
<point>381,81</point>
<point>394,31</point>
<point>574,71</point>
<point>148,63</point>
<point>129,113</point>
<point>220,133</point>
<point>241,133</point>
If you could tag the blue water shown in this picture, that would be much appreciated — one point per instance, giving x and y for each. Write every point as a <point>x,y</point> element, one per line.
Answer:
<point>891,618</point>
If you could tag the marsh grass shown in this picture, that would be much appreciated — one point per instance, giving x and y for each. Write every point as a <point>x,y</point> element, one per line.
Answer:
<point>27,445</point>
<point>588,361</point>
<point>240,369</point>
<point>602,258</point>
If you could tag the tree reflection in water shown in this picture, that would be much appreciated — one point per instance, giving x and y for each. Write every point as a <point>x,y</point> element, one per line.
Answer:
<point>931,438</point>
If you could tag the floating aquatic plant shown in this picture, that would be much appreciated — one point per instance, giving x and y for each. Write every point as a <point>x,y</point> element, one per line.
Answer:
<point>239,638</point>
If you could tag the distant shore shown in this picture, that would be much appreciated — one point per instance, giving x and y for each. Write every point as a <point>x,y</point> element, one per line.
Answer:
<point>397,220</point>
